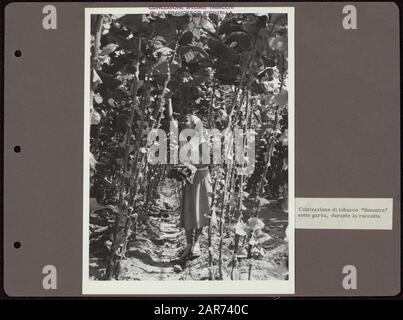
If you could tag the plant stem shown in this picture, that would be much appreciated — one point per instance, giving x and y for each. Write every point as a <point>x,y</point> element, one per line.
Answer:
<point>95,66</point>
<point>115,258</point>
<point>210,233</point>
<point>270,148</point>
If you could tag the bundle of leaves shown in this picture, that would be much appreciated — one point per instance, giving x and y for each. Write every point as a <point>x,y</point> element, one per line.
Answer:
<point>179,173</point>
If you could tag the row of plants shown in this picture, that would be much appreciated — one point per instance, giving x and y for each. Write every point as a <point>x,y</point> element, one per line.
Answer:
<point>230,70</point>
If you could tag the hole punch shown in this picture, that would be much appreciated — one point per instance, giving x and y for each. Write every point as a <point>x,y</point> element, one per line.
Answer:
<point>17,149</point>
<point>18,53</point>
<point>17,244</point>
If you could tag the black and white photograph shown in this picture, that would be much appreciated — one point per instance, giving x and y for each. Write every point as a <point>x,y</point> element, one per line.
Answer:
<point>189,151</point>
<point>154,152</point>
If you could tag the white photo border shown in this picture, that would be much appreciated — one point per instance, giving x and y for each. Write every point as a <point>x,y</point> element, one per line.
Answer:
<point>170,287</point>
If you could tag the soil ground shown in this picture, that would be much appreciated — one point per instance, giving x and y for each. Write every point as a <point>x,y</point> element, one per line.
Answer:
<point>153,254</point>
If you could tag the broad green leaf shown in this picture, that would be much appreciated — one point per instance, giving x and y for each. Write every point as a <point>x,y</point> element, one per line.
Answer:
<point>284,138</point>
<point>281,99</point>
<point>186,38</point>
<point>193,54</point>
<point>263,237</point>
<point>241,228</point>
<point>204,23</point>
<point>166,29</point>
<point>96,79</point>
<point>93,161</point>
<point>107,50</point>
<point>287,233</point>
<point>218,48</point>
<point>207,25</point>
<point>165,51</point>
<point>255,224</point>
<point>240,37</point>
<point>135,22</point>
<point>278,44</point>
<point>95,117</point>
<point>98,98</point>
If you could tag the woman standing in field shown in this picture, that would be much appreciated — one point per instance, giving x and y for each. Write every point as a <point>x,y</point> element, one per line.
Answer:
<point>197,189</point>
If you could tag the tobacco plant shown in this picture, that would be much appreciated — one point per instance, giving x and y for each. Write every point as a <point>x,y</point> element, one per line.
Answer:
<point>231,71</point>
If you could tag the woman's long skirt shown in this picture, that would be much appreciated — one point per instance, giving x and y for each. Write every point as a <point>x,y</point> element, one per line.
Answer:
<point>196,201</point>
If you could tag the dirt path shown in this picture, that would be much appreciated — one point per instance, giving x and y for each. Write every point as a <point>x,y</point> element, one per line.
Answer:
<point>154,252</point>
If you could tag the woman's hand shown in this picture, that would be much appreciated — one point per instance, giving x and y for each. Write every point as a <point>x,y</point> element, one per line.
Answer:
<point>192,169</point>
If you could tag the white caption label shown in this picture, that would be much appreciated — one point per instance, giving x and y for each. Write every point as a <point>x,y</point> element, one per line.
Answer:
<point>344,213</point>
